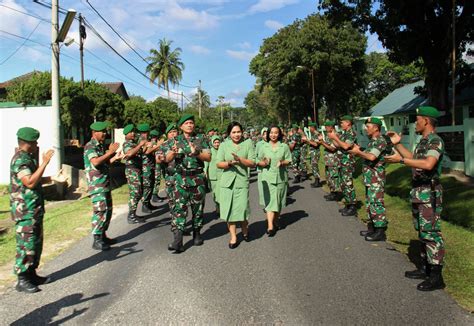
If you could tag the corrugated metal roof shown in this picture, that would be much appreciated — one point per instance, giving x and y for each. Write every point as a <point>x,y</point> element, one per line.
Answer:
<point>401,100</point>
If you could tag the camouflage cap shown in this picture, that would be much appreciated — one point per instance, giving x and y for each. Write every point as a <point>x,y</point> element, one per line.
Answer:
<point>28,134</point>
<point>428,111</point>
<point>99,125</point>
<point>375,121</point>
<point>143,127</point>
<point>329,123</point>
<point>170,127</point>
<point>154,133</point>
<point>185,118</point>
<point>128,129</point>
<point>347,117</point>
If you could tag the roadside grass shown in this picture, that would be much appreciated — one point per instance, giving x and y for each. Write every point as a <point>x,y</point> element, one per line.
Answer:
<point>64,223</point>
<point>457,226</point>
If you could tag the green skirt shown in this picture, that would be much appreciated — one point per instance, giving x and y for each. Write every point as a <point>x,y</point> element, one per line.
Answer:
<point>260,189</point>
<point>274,196</point>
<point>234,204</point>
<point>215,188</point>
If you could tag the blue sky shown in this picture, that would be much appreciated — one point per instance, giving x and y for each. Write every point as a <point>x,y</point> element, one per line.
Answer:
<point>218,38</point>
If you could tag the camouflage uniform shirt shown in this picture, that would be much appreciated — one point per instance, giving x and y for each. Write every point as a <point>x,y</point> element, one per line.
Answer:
<point>349,137</point>
<point>374,171</point>
<point>97,177</point>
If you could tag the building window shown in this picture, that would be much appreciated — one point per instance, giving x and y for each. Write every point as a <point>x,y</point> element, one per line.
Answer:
<point>392,122</point>
<point>471,111</point>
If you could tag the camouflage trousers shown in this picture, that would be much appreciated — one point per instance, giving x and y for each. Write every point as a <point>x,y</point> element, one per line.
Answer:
<point>185,196</point>
<point>296,163</point>
<point>148,182</point>
<point>170,189</point>
<point>347,183</point>
<point>134,181</point>
<point>102,212</point>
<point>159,173</point>
<point>427,221</point>
<point>314,155</point>
<point>29,243</point>
<point>303,157</point>
<point>375,204</point>
<point>332,178</point>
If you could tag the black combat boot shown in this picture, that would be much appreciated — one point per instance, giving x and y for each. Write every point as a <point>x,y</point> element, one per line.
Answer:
<point>434,281</point>
<point>421,273</point>
<point>331,196</point>
<point>378,235</point>
<point>197,237</point>
<point>316,183</point>
<point>155,198</point>
<point>177,244</point>
<point>148,208</point>
<point>132,218</point>
<point>342,209</point>
<point>370,230</point>
<point>99,243</point>
<point>350,211</point>
<point>297,179</point>
<point>25,283</point>
<point>108,240</point>
<point>36,279</point>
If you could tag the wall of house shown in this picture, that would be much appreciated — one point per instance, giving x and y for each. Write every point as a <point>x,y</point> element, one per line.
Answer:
<point>11,119</point>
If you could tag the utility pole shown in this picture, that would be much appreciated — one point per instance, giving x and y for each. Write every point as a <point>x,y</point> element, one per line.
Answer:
<point>315,113</point>
<point>453,72</point>
<point>82,36</point>
<point>57,146</point>
<point>200,99</point>
<point>182,102</point>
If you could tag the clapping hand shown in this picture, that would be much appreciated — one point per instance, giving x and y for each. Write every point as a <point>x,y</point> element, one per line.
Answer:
<point>355,149</point>
<point>47,156</point>
<point>236,157</point>
<point>113,147</point>
<point>394,158</point>
<point>394,137</point>
<point>265,161</point>
<point>332,135</point>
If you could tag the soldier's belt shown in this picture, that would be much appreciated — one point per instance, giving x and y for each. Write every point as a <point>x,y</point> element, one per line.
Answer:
<point>190,172</point>
<point>425,183</point>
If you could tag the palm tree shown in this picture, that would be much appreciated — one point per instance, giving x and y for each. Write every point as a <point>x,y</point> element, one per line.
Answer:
<point>165,65</point>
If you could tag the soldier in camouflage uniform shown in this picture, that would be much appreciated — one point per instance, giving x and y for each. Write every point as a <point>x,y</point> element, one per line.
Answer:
<point>314,153</point>
<point>304,154</point>
<point>331,161</point>
<point>159,171</point>
<point>133,171</point>
<point>295,144</point>
<point>27,208</point>
<point>426,195</point>
<point>188,152</point>
<point>96,165</point>
<point>374,180</point>
<point>169,168</point>
<point>344,142</point>
<point>148,168</point>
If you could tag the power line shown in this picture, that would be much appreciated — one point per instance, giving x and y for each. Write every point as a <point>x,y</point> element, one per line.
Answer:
<point>22,37</point>
<point>26,13</point>
<point>21,45</point>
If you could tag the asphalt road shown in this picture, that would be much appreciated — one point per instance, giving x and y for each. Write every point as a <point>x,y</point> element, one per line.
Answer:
<point>318,270</point>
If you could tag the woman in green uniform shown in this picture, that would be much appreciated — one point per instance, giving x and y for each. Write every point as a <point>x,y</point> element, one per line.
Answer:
<point>234,157</point>
<point>212,172</point>
<point>274,158</point>
<point>264,134</point>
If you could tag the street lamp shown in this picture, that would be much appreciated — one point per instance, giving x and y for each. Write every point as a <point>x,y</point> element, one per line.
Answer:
<point>315,114</point>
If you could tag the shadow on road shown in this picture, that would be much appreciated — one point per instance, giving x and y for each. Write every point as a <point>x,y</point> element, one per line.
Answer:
<point>215,231</point>
<point>45,314</point>
<point>294,188</point>
<point>258,229</point>
<point>113,254</point>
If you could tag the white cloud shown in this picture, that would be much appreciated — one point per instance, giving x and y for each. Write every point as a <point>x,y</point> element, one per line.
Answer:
<point>241,55</point>
<point>198,49</point>
<point>236,97</point>
<point>273,24</point>
<point>244,45</point>
<point>269,5</point>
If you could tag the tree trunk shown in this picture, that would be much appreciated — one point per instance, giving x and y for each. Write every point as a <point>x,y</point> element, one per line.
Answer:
<point>436,83</point>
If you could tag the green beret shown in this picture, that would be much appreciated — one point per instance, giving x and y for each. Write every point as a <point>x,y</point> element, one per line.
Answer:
<point>128,129</point>
<point>28,134</point>
<point>185,118</point>
<point>295,126</point>
<point>347,117</point>
<point>143,127</point>
<point>428,111</point>
<point>154,133</point>
<point>312,124</point>
<point>329,123</point>
<point>99,125</point>
<point>170,127</point>
<point>375,121</point>
<point>209,130</point>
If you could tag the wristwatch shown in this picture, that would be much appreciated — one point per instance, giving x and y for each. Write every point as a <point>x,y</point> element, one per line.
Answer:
<point>402,161</point>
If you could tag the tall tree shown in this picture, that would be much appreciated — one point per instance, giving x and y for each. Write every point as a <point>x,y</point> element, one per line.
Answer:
<point>165,65</point>
<point>413,30</point>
